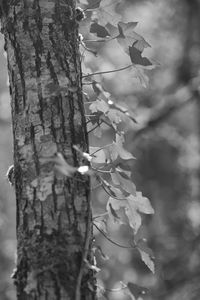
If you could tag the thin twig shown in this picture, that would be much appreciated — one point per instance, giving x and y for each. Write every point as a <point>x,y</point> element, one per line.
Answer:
<point>98,125</point>
<point>100,216</point>
<point>110,240</point>
<point>107,72</point>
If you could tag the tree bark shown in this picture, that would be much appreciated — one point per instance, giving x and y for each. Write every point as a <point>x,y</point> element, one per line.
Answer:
<point>54,231</point>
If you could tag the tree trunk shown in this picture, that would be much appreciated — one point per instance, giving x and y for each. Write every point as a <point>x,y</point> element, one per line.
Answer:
<point>54,234</point>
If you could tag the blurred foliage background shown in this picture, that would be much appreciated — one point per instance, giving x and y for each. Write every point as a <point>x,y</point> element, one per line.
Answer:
<point>165,141</point>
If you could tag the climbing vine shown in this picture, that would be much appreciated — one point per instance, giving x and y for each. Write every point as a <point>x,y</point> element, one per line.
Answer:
<point>110,165</point>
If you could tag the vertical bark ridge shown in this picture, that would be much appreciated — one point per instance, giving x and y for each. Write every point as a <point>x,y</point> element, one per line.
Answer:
<point>53,212</point>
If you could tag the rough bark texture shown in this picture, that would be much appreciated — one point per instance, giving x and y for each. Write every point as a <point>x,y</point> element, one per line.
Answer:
<point>53,211</point>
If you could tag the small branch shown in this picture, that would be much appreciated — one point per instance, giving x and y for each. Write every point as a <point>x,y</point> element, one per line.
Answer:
<point>102,171</point>
<point>102,40</point>
<point>109,194</point>
<point>116,290</point>
<point>98,125</point>
<point>107,72</point>
<point>110,240</point>
<point>101,148</point>
<point>100,216</point>
<point>95,187</point>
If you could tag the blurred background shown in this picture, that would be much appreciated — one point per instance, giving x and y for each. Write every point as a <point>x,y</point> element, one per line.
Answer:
<point>165,141</point>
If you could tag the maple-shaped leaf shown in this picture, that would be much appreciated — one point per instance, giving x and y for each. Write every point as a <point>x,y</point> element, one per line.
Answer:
<point>113,191</point>
<point>106,13</point>
<point>124,183</point>
<point>113,30</point>
<point>99,105</point>
<point>133,206</point>
<point>130,210</point>
<point>99,156</point>
<point>137,58</point>
<point>116,149</point>
<point>136,290</point>
<point>126,29</point>
<point>128,36</point>
<point>89,4</point>
<point>93,4</point>
<point>99,30</point>
<point>143,204</point>
<point>114,117</point>
<point>122,109</point>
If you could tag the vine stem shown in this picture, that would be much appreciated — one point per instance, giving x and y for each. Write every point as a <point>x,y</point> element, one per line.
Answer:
<point>85,253</point>
<point>111,241</point>
<point>107,72</point>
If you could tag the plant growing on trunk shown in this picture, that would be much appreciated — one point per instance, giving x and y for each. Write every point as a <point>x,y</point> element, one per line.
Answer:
<point>52,160</point>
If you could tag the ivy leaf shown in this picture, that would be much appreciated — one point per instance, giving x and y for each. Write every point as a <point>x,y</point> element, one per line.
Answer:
<point>99,105</point>
<point>114,117</point>
<point>99,156</point>
<point>128,36</point>
<point>137,58</point>
<point>124,173</point>
<point>146,258</point>
<point>137,290</point>
<point>117,149</point>
<point>113,191</point>
<point>125,184</point>
<point>89,4</point>
<point>133,206</point>
<point>99,30</point>
<point>134,217</point>
<point>113,30</point>
<point>92,4</point>
<point>126,29</point>
<point>122,109</point>
<point>106,13</point>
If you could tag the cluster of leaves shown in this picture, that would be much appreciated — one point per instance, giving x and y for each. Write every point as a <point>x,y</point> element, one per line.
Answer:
<point>106,25</point>
<point>110,164</point>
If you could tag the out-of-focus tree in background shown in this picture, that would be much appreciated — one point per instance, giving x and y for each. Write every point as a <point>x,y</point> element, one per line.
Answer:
<point>166,143</point>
